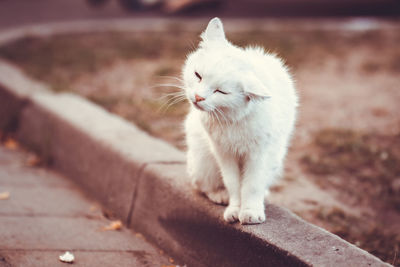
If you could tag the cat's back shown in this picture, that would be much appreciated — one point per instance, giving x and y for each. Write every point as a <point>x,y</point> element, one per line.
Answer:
<point>274,74</point>
<point>260,58</point>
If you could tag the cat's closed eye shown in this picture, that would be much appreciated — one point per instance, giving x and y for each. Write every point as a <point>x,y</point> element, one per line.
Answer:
<point>198,75</point>
<point>221,92</point>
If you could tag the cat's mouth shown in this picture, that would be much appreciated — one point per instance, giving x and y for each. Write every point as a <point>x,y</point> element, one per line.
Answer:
<point>198,106</point>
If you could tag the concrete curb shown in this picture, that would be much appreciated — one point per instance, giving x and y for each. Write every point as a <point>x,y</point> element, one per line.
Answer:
<point>143,180</point>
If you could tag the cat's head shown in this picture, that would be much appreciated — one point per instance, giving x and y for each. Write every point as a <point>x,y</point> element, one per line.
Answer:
<point>218,77</point>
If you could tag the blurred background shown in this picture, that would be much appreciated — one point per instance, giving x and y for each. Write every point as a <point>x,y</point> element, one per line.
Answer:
<point>343,169</point>
<point>18,12</point>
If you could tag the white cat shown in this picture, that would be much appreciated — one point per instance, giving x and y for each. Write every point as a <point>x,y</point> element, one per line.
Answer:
<point>243,110</point>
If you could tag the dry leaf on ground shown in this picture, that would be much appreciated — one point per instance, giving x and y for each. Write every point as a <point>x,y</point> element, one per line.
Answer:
<point>94,208</point>
<point>11,144</point>
<point>67,257</point>
<point>114,225</point>
<point>139,235</point>
<point>33,160</point>
<point>4,195</point>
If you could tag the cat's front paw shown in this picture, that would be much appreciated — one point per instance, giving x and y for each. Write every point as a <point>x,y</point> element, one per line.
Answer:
<point>231,214</point>
<point>251,216</point>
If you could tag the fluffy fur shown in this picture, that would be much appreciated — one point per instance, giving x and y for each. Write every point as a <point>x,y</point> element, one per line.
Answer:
<point>243,110</point>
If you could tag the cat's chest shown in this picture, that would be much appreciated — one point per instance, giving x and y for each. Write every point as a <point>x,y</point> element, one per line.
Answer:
<point>233,138</point>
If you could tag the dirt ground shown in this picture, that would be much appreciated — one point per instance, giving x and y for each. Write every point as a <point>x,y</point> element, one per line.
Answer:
<point>343,169</point>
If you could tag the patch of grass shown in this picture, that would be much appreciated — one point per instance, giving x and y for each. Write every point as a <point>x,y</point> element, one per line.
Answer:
<point>59,60</point>
<point>394,65</point>
<point>338,148</point>
<point>367,168</point>
<point>362,232</point>
<point>372,160</point>
<point>370,66</point>
<point>55,59</point>
<point>391,65</point>
<point>147,114</point>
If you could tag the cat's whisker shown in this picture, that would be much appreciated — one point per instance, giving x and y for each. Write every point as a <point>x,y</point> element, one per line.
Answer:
<point>219,121</point>
<point>173,77</point>
<point>167,85</point>
<point>171,102</point>
<point>172,95</point>
<point>217,117</point>
<point>222,115</point>
<point>214,118</point>
<point>179,92</point>
<point>178,99</point>
<point>191,44</point>
<point>175,100</point>
<point>175,93</point>
<point>225,117</point>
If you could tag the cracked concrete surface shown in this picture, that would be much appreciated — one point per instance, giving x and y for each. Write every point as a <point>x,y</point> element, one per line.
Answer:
<point>46,215</point>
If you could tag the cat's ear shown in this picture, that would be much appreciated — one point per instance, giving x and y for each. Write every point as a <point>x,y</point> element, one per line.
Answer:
<point>214,31</point>
<point>254,88</point>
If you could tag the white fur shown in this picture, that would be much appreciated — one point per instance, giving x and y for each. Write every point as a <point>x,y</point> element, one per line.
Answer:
<point>242,135</point>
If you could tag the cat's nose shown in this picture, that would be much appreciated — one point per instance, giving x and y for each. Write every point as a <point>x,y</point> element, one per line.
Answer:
<point>198,98</point>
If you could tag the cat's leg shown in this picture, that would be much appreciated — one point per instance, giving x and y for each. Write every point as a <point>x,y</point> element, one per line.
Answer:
<point>203,168</point>
<point>205,174</point>
<point>231,178</point>
<point>259,173</point>
<point>261,170</point>
<point>252,193</point>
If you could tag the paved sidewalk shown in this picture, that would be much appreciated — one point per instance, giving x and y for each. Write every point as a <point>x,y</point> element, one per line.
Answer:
<point>46,215</point>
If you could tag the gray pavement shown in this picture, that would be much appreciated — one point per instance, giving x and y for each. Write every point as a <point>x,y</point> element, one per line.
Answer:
<point>46,215</point>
